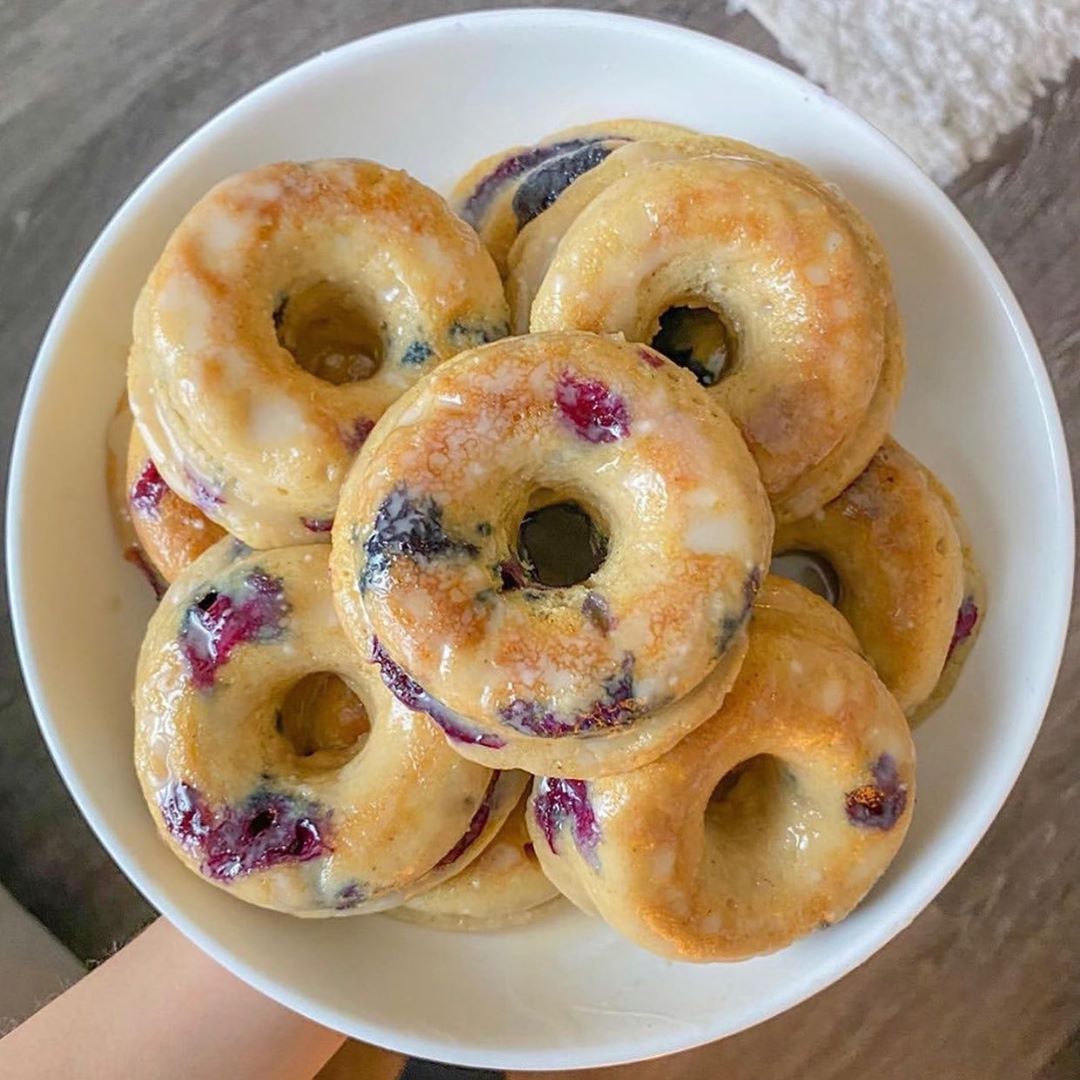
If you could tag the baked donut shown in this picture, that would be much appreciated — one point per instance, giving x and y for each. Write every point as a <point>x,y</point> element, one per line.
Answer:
<point>901,577</point>
<point>351,818</point>
<point>171,532</point>
<point>502,193</point>
<point>751,273</point>
<point>503,887</point>
<point>773,818</point>
<point>291,305</point>
<point>580,676</point>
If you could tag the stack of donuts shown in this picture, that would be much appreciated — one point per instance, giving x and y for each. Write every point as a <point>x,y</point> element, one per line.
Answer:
<point>550,546</point>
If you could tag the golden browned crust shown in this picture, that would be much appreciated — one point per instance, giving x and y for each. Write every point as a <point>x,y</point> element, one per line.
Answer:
<point>895,549</point>
<point>698,870</point>
<point>233,422</point>
<point>689,529</point>
<point>207,750</point>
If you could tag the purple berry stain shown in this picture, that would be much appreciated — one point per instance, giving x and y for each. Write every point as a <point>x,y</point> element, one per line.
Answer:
<point>879,805</point>
<point>349,896</point>
<point>218,621</point>
<point>269,829</point>
<point>595,412</point>
<point>651,356</point>
<point>615,708</point>
<point>558,800</point>
<point>409,526</point>
<point>413,696</point>
<point>356,434</point>
<point>966,618</point>
<point>476,825</point>
<point>148,491</point>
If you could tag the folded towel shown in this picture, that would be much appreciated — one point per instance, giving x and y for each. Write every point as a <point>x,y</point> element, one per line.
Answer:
<point>941,79</point>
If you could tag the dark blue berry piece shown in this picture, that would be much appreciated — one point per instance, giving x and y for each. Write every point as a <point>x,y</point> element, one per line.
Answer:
<point>409,526</point>
<point>512,167</point>
<point>476,825</point>
<point>413,696</point>
<point>468,335</point>
<point>268,830</point>
<point>417,353</point>
<point>558,800</point>
<point>546,183</point>
<point>730,625</point>
<point>881,804</point>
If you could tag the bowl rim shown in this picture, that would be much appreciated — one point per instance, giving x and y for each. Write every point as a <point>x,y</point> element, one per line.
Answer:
<point>968,835</point>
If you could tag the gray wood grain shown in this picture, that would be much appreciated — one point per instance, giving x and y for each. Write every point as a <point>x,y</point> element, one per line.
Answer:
<point>986,983</point>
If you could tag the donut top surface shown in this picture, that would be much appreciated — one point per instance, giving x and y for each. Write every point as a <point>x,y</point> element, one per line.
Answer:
<point>308,822</point>
<point>780,262</point>
<point>298,256</point>
<point>426,541</point>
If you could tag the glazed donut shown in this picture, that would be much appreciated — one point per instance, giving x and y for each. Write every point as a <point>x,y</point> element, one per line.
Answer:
<point>773,818</point>
<point>901,575</point>
<point>756,277</point>
<point>361,271</point>
<point>502,193</point>
<point>172,533</point>
<point>503,887</point>
<point>312,823</point>
<point>576,677</point>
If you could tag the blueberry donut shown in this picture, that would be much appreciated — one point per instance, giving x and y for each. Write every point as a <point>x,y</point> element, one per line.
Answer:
<point>352,814</point>
<point>773,818</point>
<point>761,281</point>
<point>577,673</point>
<point>291,306</point>
<point>502,193</point>
<point>171,532</point>
<point>503,887</point>
<point>890,545</point>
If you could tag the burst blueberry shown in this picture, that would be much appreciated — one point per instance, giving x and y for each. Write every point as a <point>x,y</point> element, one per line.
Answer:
<point>269,829</point>
<point>595,412</point>
<point>558,800</point>
<point>413,696</point>
<point>881,804</point>
<point>217,622</point>
<point>411,526</point>
<point>148,491</point>
<point>477,824</point>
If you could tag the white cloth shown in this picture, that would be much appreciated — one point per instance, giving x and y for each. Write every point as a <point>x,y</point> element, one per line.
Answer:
<point>942,78</point>
<point>34,966</point>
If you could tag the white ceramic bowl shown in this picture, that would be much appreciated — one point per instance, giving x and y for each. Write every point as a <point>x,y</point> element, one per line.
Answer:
<point>434,97</point>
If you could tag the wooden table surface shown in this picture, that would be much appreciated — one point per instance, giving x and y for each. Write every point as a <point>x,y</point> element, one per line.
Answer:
<point>93,93</point>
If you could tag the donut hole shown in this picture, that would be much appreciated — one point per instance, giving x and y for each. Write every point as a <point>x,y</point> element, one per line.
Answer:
<point>698,337</point>
<point>751,804</point>
<point>329,333</point>
<point>811,570</point>
<point>322,720</point>
<point>558,544</point>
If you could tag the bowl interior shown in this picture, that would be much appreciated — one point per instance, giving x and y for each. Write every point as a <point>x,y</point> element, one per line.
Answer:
<point>432,98</point>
